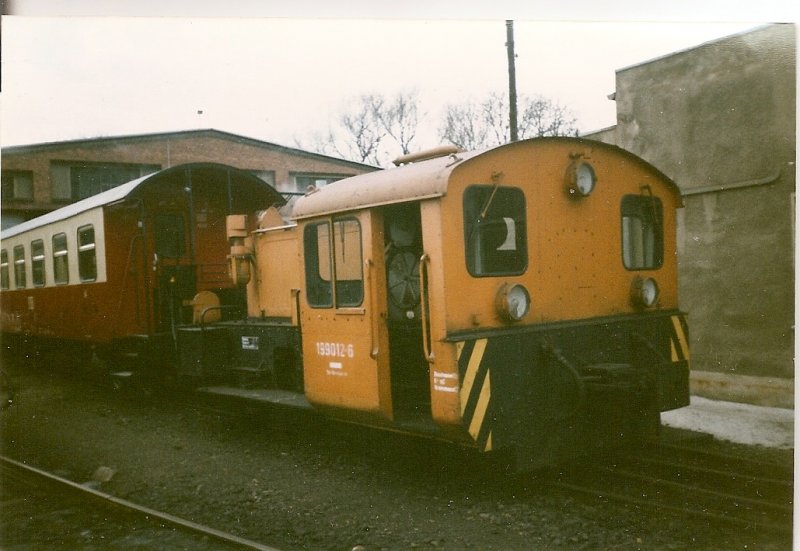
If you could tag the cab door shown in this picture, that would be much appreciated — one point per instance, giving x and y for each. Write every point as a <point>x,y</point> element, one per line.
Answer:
<point>345,343</point>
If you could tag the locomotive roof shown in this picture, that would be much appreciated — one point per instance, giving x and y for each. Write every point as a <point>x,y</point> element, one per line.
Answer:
<point>130,189</point>
<point>416,181</point>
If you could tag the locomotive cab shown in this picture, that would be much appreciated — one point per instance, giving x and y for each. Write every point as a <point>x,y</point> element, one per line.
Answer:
<point>520,298</point>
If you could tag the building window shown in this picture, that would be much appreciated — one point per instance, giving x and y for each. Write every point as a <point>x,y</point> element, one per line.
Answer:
<point>642,232</point>
<point>17,185</point>
<point>4,283</point>
<point>60,259</point>
<point>495,230</point>
<point>37,262</point>
<point>87,254</point>
<point>303,182</point>
<point>19,267</point>
<point>75,181</point>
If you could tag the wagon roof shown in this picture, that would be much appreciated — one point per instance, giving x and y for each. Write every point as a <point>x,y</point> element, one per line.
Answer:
<point>131,188</point>
<point>416,181</point>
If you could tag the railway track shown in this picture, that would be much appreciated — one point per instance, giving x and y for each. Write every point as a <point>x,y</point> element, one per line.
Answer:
<point>72,511</point>
<point>685,480</point>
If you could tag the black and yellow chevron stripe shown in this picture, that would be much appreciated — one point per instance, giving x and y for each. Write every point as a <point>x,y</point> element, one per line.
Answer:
<point>679,339</point>
<point>476,391</point>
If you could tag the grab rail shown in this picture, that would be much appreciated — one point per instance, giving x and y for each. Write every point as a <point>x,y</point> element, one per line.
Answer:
<point>424,260</point>
<point>374,348</point>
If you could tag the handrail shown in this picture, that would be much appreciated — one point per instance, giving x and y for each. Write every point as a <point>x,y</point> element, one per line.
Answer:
<point>374,347</point>
<point>424,260</point>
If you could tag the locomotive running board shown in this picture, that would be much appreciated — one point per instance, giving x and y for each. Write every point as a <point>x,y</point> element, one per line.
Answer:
<point>277,397</point>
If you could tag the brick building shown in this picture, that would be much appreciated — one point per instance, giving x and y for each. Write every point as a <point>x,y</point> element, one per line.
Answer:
<point>720,120</point>
<point>39,178</point>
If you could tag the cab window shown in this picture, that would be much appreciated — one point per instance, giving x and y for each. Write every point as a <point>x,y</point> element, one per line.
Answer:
<point>333,259</point>
<point>642,232</point>
<point>37,262</point>
<point>495,230</point>
<point>347,262</point>
<point>316,244</point>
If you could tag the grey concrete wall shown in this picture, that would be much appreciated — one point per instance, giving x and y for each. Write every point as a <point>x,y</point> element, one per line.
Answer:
<point>720,120</point>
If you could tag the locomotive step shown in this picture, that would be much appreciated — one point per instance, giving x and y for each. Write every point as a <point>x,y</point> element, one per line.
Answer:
<point>279,397</point>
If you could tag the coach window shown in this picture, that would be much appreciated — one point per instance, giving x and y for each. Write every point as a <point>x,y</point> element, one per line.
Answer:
<point>495,230</point>
<point>37,262</point>
<point>60,259</point>
<point>19,267</point>
<point>4,283</point>
<point>87,254</point>
<point>642,232</point>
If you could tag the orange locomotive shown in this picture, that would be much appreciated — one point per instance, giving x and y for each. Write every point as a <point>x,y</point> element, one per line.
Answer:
<point>522,298</point>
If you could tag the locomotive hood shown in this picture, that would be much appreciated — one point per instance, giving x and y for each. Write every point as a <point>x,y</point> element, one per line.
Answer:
<point>414,181</point>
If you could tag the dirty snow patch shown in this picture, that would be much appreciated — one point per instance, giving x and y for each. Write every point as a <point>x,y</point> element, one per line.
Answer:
<point>734,422</point>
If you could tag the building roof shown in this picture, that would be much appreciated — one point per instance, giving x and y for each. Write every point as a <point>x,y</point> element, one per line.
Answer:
<point>761,28</point>
<point>129,189</point>
<point>207,132</point>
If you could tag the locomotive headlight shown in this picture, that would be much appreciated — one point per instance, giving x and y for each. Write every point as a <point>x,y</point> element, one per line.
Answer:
<point>513,302</point>
<point>584,179</point>
<point>580,178</point>
<point>644,292</point>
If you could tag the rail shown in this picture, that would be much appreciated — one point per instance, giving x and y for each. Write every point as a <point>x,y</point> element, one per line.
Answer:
<point>152,515</point>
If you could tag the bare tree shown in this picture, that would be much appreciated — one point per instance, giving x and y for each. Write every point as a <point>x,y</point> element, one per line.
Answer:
<point>399,118</point>
<point>485,124</point>
<point>464,126</point>
<point>543,117</point>
<point>372,129</point>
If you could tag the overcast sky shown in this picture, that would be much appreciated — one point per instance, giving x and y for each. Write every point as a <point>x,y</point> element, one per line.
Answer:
<point>279,79</point>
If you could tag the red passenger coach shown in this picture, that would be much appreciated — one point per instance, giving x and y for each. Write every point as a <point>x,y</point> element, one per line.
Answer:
<point>117,272</point>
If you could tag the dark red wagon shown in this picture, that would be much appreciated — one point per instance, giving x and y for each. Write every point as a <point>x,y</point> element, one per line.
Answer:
<point>117,272</point>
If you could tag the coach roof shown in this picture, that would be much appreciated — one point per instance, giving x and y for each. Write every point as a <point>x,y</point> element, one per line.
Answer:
<point>131,189</point>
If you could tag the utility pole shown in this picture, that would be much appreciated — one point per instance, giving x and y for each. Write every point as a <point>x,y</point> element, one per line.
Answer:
<point>512,81</point>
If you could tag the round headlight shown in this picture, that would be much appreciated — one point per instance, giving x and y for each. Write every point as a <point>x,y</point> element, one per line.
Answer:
<point>584,179</point>
<point>644,292</point>
<point>513,302</point>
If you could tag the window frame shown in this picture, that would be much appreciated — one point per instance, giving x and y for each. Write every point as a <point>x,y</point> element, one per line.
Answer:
<point>38,272</point>
<point>87,251</point>
<point>59,253</point>
<point>5,274</point>
<point>20,268</point>
<point>11,187</point>
<point>472,231</point>
<point>656,224</point>
<point>322,293</point>
<point>316,283</point>
<point>338,282</point>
